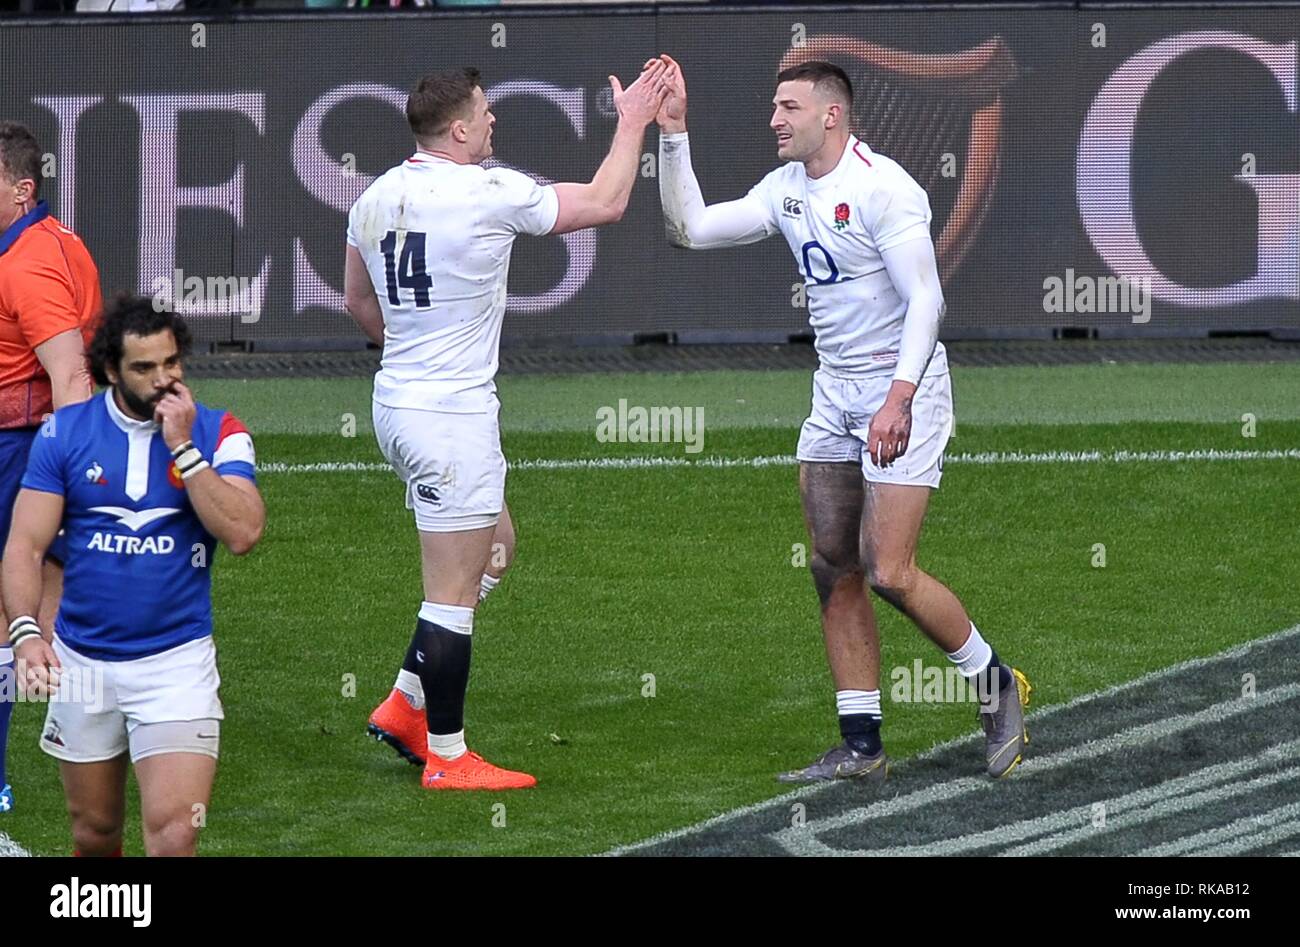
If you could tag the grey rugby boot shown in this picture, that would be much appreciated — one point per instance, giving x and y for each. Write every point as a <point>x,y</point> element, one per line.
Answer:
<point>841,762</point>
<point>1003,721</point>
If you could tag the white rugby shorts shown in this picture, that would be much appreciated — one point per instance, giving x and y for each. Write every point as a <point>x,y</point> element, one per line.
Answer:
<point>452,465</point>
<point>104,708</point>
<point>842,408</point>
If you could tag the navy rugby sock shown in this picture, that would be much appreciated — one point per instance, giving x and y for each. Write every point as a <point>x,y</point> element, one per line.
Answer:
<point>862,732</point>
<point>996,673</point>
<point>444,635</point>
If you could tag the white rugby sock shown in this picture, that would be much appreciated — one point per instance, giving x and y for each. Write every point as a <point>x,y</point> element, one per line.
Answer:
<point>449,746</point>
<point>849,702</point>
<point>486,585</point>
<point>409,684</point>
<point>457,618</point>
<point>972,657</point>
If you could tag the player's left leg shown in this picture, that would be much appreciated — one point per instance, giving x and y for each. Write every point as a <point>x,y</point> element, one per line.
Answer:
<point>891,528</point>
<point>173,720</point>
<point>175,787</point>
<point>453,564</point>
<point>892,518</point>
<point>399,720</point>
<point>503,553</point>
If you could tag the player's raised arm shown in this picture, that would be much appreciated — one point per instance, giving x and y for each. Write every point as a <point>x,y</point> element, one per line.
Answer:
<point>689,222</point>
<point>229,507</point>
<point>604,200</point>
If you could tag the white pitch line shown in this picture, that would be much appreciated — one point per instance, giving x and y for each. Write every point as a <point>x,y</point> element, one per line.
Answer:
<point>987,458</point>
<point>1193,844</point>
<point>804,841</point>
<point>11,849</point>
<point>1034,716</point>
<point>1167,799</point>
<point>1256,840</point>
<point>1122,812</point>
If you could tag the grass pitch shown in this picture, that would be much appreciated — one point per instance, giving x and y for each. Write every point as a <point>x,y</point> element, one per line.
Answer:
<point>654,655</point>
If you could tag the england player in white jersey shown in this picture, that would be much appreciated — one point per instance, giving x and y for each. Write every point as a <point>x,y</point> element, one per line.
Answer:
<point>872,447</point>
<point>428,254</point>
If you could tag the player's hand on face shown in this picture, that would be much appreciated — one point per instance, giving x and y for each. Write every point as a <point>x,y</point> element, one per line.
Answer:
<point>889,431</point>
<point>175,412</point>
<point>38,668</point>
<point>639,103</point>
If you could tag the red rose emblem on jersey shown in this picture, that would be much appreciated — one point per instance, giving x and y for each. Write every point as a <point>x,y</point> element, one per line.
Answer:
<point>841,216</point>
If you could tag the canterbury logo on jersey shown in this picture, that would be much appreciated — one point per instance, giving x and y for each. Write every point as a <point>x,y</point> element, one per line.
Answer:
<point>791,207</point>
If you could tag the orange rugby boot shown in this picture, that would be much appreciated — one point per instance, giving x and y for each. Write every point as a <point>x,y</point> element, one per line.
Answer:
<point>471,771</point>
<point>401,726</point>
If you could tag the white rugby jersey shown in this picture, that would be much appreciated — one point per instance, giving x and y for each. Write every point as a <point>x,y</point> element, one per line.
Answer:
<point>837,225</point>
<point>436,237</point>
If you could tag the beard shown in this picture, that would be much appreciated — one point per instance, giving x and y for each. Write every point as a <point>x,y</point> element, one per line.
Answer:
<point>140,407</point>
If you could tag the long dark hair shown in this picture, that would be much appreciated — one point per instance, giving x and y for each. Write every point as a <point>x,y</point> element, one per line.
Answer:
<point>139,316</point>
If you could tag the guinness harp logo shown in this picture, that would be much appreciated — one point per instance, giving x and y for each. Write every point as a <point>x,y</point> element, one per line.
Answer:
<point>918,108</point>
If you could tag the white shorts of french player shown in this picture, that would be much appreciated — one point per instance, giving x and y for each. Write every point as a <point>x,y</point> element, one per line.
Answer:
<point>452,465</point>
<point>842,408</point>
<point>163,703</point>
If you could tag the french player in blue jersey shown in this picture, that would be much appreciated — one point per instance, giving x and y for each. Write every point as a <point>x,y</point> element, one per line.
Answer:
<point>145,482</point>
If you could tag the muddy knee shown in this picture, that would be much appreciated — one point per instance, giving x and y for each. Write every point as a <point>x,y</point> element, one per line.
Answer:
<point>828,573</point>
<point>892,582</point>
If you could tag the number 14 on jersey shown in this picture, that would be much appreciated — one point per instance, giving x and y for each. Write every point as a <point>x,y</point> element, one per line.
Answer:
<point>408,270</point>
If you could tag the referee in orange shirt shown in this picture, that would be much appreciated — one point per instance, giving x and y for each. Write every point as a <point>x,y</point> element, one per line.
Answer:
<point>49,299</point>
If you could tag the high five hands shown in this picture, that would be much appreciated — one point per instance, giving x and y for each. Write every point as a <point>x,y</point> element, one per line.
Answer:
<point>672,113</point>
<point>641,102</point>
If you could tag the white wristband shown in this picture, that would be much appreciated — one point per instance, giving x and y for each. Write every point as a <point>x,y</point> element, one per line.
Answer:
<point>188,458</point>
<point>22,628</point>
<point>191,471</point>
<point>20,621</point>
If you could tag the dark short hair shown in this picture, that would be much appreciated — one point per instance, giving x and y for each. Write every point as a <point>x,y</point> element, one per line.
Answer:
<point>825,76</point>
<point>438,99</point>
<point>20,155</point>
<point>136,315</point>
